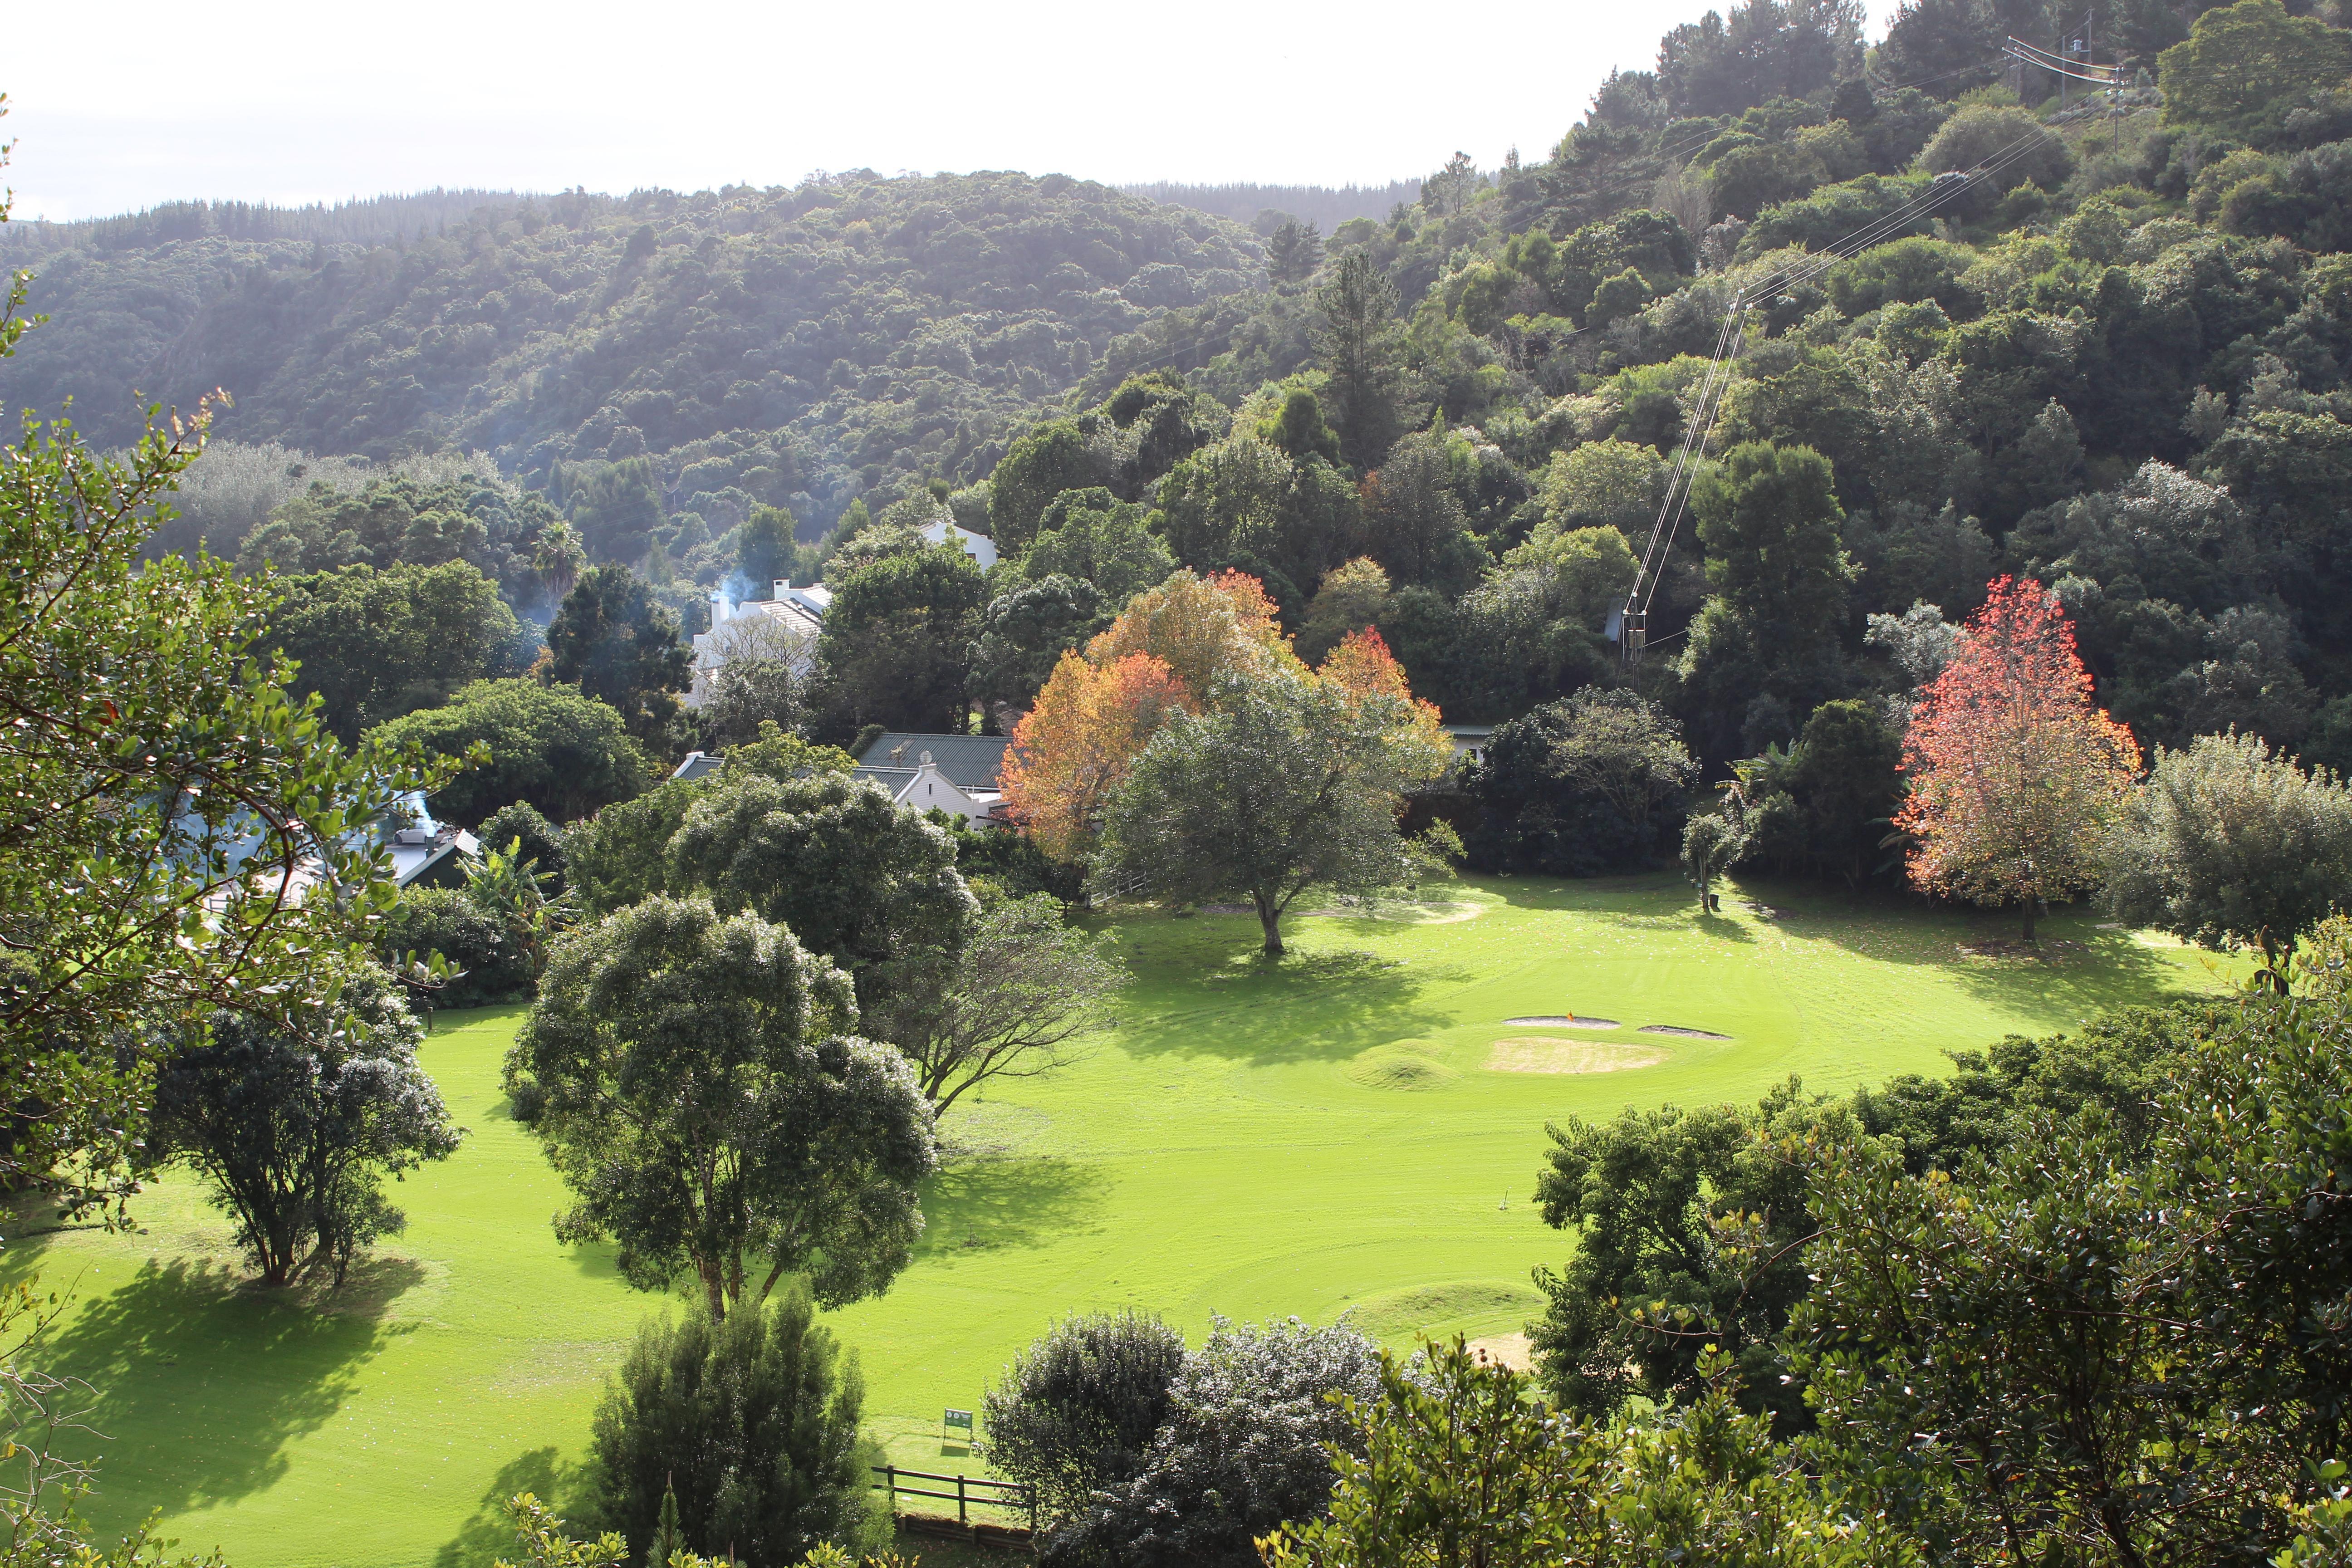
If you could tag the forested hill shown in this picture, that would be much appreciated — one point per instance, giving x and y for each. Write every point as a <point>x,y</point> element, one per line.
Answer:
<point>1928,314</point>
<point>1326,206</point>
<point>793,347</point>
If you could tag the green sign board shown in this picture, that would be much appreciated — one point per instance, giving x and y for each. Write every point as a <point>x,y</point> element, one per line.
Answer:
<point>958,1418</point>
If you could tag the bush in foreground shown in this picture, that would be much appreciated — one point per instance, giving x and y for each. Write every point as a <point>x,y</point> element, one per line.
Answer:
<point>1077,1409</point>
<point>1146,1454</point>
<point>750,1422</point>
<point>1248,1442</point>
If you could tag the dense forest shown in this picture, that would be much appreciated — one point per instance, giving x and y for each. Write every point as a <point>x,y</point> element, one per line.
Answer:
<point>788,347</point>
<point>1245,202</point>
<point>1948,312</point>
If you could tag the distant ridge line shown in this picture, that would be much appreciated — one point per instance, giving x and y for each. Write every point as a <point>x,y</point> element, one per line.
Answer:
<point>1327,207</point>
<point>363,220</point>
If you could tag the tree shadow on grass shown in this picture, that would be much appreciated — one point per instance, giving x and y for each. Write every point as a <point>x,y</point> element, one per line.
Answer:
<point>1684,919</point>
<point>200,1381</point>
<point>2108,969</point>
<point>489,1534</point>
<point>984,1205</point>
<point>1307,1007</point>
<point>2080,969</point>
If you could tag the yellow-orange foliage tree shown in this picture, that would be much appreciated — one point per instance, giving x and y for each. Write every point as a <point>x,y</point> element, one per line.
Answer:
<point>1201,628</point>
<point>1076,740</point>
<point>2013,770</point>
<point>1168,653</point>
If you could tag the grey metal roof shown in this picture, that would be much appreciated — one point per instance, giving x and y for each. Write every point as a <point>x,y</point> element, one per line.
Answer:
<point>698,765</point>
<point>968,762</point>
<point>894,780</point>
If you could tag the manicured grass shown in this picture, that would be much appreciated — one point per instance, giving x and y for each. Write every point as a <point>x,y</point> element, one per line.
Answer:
<point>1310,1138</point>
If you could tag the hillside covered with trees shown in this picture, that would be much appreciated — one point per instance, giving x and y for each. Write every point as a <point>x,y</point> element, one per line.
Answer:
<point>787,347</point>
<point>1935,322</point>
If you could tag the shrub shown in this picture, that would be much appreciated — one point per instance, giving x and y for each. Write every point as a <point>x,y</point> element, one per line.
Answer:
<point>752,1423</point>
<point>1591,783</point>
<point>2226,842</point>
<point>542,840</point>
<point>1077,1411</point>
<point>447,921</point>
<point>1252,1424</point>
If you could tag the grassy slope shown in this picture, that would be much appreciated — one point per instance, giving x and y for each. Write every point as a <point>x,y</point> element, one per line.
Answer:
<point>1218,1156</point>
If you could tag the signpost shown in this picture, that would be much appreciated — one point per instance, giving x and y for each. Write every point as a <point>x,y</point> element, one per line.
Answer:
<point>955,1417</point>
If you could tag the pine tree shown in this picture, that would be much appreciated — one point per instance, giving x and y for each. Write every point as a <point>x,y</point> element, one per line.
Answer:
<point>667,1544</point>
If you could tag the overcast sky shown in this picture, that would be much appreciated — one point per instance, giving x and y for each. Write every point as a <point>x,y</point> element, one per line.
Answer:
<point>123,104</point>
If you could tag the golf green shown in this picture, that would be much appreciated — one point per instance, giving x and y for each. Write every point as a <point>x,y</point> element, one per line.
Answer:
<point>1357,1129</point>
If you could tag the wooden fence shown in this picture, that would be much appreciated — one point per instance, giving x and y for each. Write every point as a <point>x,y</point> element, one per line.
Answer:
<point>967,1492</point>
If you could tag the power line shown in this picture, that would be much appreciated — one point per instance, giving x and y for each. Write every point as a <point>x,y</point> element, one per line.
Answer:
<point>1630,620</point>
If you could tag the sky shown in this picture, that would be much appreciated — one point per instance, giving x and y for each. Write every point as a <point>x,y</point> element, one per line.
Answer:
<point>119,106</point>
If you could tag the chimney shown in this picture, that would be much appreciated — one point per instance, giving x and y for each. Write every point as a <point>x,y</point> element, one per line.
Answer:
<point>783,588</point>
<point>717,607</point>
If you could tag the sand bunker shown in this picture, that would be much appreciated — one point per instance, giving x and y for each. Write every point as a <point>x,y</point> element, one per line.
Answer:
<point>1539,1055</point>
<point>1562,1021</point>
<point>1685,1034</point>
<point>1512,1349</point>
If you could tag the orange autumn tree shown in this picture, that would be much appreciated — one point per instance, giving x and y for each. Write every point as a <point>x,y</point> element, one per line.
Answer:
<point>1362,666</point>
<point>1169,653</point>
<point>1201,628</point>
<point>1074,745</point>
<point>2013,770</point>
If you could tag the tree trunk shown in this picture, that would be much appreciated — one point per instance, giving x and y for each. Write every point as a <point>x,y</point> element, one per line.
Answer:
<point>714,1287</point>
<point>2033,913</point>
<point>1269,917</point>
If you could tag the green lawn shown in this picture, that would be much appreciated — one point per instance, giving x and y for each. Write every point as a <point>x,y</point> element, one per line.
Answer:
<point>1318,1138</point>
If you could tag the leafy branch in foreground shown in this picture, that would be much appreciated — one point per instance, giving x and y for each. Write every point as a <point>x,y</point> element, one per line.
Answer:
<point>177,834</point>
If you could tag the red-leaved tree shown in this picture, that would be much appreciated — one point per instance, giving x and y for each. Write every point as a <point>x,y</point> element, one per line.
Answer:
<point>2013,769</point>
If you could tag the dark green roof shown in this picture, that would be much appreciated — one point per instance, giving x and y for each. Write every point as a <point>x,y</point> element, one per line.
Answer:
<point>970,761</point>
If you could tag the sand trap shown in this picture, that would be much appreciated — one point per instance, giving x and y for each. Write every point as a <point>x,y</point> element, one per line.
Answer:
<point>1540,1055</point>
<point>1685,1034</point>
<point>1512,1349</point>
<point>1562,1021</point>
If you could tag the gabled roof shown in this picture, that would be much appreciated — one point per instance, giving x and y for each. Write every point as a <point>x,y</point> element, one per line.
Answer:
<point>895,782</point>
<point>969,762</point>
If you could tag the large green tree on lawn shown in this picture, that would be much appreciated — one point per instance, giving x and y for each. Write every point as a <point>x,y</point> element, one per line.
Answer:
<point>1289,781</point>
<point>693,1078</point>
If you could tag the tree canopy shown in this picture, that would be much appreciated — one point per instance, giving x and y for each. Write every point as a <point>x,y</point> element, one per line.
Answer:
<point>692,1079</point>
<point>2014,771</point>
<point>1284,782</point>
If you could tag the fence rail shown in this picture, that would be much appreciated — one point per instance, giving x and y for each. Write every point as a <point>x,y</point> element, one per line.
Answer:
<point>969,1490</point>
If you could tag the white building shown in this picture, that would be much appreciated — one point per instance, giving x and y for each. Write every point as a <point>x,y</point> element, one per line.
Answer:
<point>922,785</point>
<point>783,627</point>
<point>979,546</point>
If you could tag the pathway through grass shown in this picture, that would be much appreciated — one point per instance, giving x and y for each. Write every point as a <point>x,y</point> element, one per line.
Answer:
<point>1323,1136</point>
